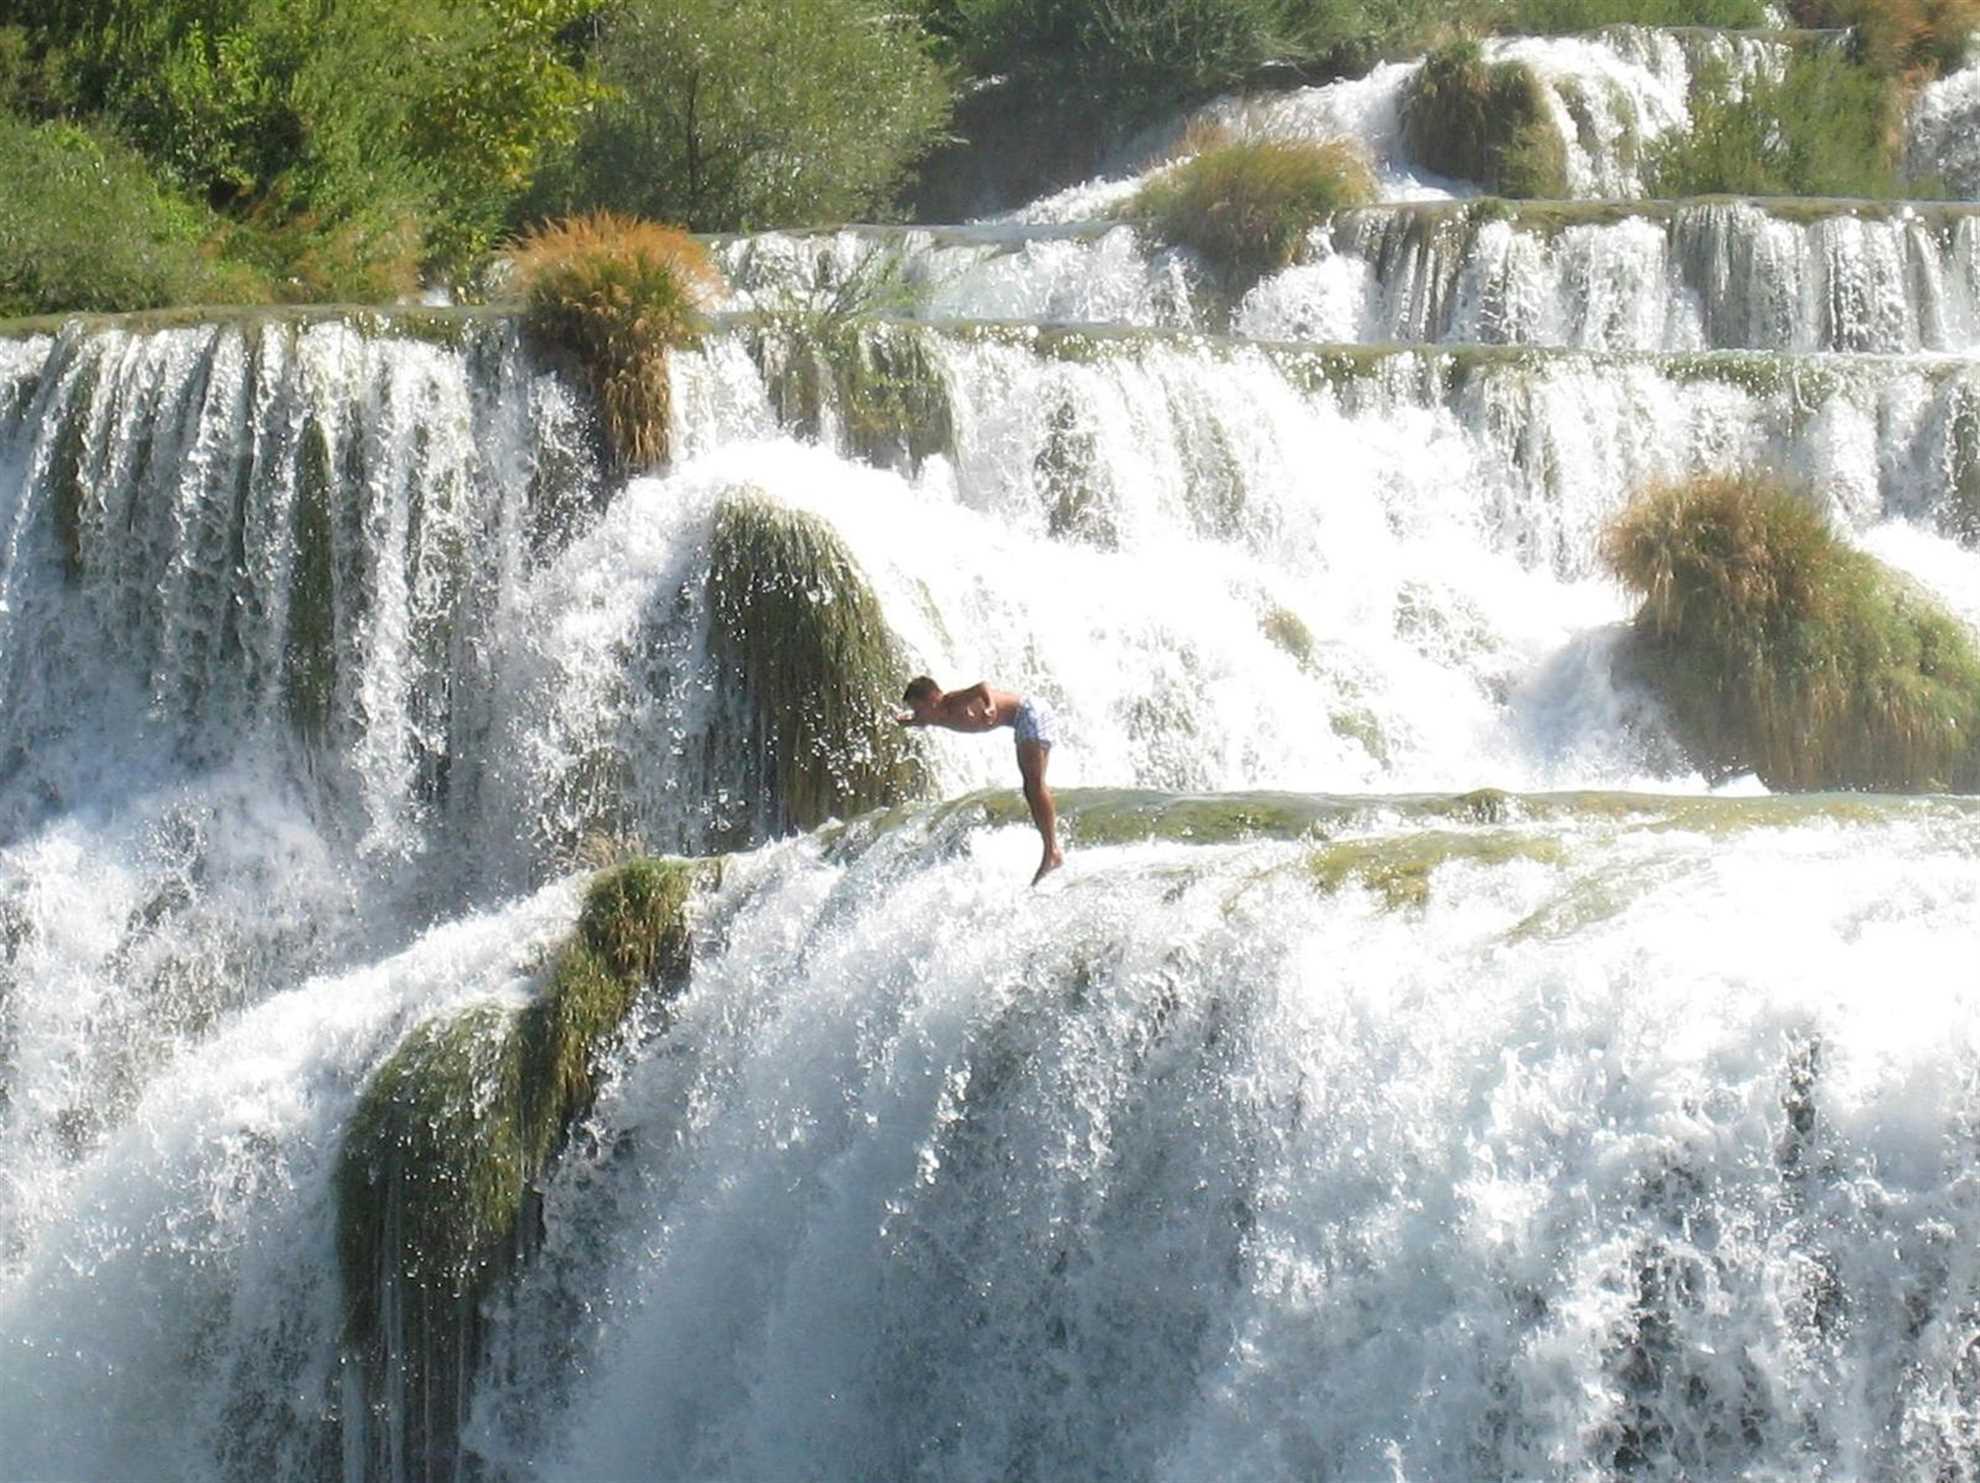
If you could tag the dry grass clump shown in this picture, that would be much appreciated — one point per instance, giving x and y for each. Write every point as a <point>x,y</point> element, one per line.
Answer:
<point>1904,37</point>
<point>618,293</point>
<point>1899,37</point>
<point>1487,122</point>
<point>1247,204</point>
<point>1780,650</point>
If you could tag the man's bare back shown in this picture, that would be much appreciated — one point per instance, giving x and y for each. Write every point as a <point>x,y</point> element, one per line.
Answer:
<point>979,708</point>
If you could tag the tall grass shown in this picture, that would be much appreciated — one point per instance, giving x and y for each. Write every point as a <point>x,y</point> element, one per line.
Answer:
<point>619,293</point>
<point>1247,204</point>
<point>1487,122</point>
<point>1781,650</point>
<point>1825,127</point>
<point>1899,37</point>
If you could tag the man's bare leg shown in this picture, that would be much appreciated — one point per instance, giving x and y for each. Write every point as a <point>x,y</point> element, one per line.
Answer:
<point>1032,757</point>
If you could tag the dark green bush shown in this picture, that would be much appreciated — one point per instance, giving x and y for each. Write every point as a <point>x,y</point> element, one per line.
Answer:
<point>1825,127</point>
<point>743,114</point>
<point>1247,205</point>
<point>1778,649</point>
<point>1487,122</point>
<point>85,225</point>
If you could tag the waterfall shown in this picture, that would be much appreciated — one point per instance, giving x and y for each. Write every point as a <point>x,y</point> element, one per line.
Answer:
<point>1418,1070</point>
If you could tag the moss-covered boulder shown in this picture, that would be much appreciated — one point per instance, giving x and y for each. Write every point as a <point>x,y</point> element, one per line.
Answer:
<point>809,670</point>
<point>1779,650</point>
<point>1484,121</point>
<point>436,1180</point>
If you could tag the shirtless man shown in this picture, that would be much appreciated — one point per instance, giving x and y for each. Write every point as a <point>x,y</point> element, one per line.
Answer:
<point>979,708</point>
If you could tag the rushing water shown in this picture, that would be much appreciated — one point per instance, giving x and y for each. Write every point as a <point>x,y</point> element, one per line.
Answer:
<point>1316,1121</point>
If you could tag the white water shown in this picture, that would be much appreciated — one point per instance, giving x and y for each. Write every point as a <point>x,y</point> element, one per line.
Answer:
<point>1176,1171</point>
<point>1177,1168</point>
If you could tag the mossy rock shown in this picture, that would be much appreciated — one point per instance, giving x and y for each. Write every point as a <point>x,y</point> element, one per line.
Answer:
<point>1397,868</point>
<point>1487,122</point>
<point>436,1179</point>
<point>1778,649</point>
<point>803,649</point>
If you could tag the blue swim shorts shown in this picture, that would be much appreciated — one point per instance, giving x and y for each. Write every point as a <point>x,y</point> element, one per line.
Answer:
<point>1036,723</point>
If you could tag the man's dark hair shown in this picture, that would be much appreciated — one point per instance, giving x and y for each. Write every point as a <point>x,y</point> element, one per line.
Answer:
<point>920,688</point>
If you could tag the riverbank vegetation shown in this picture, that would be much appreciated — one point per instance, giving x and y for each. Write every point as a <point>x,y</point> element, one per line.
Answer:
<point>160,152</point>
<point>1780,650</point>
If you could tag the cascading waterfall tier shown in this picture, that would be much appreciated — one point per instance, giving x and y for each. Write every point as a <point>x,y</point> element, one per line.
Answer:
<point>1655,275</point>
<point>1334,1113</point>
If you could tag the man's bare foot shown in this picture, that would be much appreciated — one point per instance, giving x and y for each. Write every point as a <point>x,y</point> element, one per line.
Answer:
<point>1050,863</point>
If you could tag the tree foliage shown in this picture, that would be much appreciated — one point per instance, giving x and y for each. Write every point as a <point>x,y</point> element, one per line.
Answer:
<point>738,114</point>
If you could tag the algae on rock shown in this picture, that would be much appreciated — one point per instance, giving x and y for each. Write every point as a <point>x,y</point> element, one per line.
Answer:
<point>807,668</point>
<point>436,1179</point>
<point>1780,650</point>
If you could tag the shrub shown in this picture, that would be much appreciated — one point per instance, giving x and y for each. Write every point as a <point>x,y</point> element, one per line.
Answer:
<point>618,294</point>
<point>1778,649</point>
<point>1825,127</point>
<point>84,225</point>
<point>1247,205</point>
<point>1487,122</point>
<point>735,115</point>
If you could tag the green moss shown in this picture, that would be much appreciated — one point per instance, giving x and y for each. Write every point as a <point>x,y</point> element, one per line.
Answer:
<point>1247,205</point>
<point>1286,630</point>
<point>801,643</point>
<point>1359,725</point>
<point>891,395</point>
<point>1778,649</point>
<point>1487,122</point>
<point>310,650</point>
<point>1072,481</point>
<point>70,489</point>
<point>1398,868</point>
<point>452,1133</point>
<point>1958,514</point>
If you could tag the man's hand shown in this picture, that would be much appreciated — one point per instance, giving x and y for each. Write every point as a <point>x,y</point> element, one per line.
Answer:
<point>904,718</point>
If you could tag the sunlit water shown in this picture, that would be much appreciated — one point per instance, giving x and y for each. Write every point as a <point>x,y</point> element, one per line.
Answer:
<point>1618,1130</point>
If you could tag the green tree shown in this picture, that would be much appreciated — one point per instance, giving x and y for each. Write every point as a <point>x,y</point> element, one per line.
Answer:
<point>739,114</point>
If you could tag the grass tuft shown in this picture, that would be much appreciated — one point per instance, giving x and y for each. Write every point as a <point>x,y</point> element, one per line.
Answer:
<point>1487,122</point>
<point>1247,205</point>
<point>619,293</point>
<point>1778,649</point>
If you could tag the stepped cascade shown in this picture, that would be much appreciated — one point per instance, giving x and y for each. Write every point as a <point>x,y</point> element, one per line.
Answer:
<point>1422,1068</point>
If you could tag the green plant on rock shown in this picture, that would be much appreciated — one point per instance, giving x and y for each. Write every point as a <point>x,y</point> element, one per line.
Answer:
<point>1484,121</point>
<point>435,1180</point>
<point>1247,205</point>
<point>1778,649</point>
<point>619,293</point>
<point>799,639</point>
